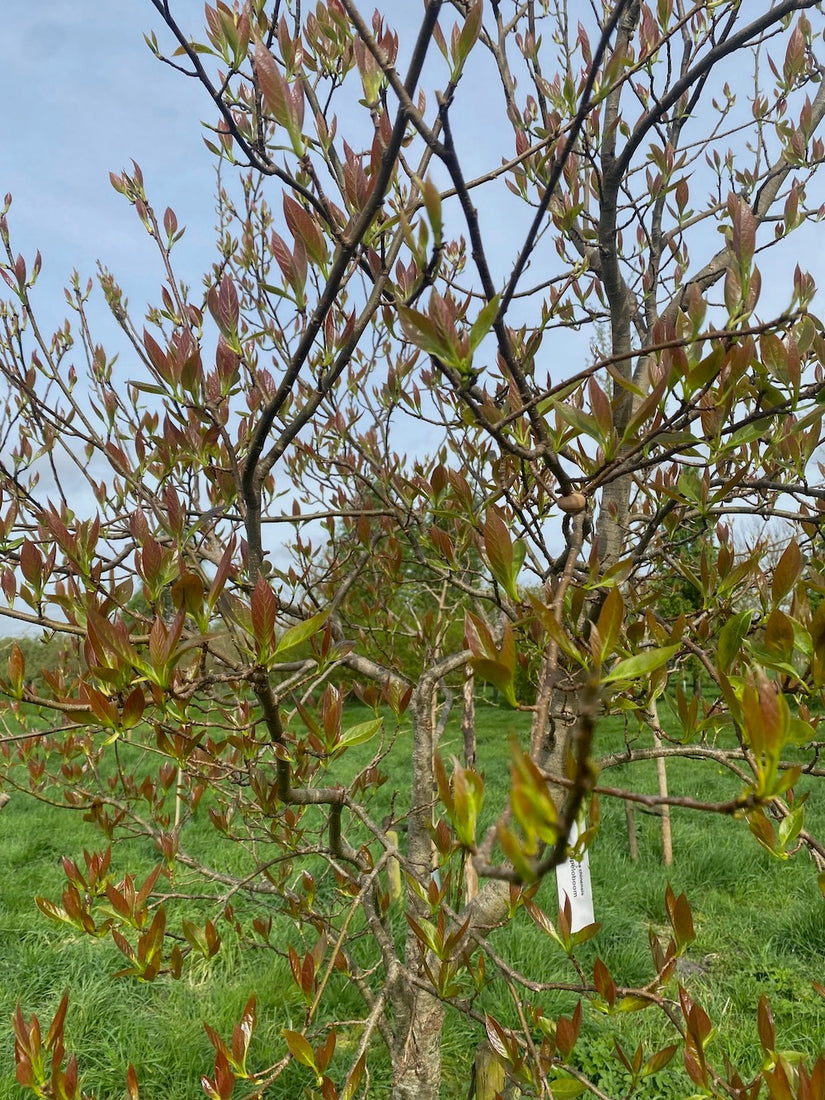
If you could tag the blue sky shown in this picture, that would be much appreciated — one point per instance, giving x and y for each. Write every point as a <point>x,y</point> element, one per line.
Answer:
<point>88,96</point>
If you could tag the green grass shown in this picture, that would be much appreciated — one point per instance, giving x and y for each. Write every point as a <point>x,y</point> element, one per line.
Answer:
<point>760,928</point>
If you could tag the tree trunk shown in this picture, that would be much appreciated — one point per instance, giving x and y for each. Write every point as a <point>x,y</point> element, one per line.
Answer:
<point>419,1015</point>
<point>417,1069</point>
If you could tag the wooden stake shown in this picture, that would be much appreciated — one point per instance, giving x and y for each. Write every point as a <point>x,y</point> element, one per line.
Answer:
<point>488,1073</point>
<point>667,836</point>
<point>632,839</point>
<point>393,869</point>
<point>468,732</point>
<point>661,773</point>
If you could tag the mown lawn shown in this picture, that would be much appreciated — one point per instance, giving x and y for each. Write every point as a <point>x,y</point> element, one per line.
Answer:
<point>760,928</point>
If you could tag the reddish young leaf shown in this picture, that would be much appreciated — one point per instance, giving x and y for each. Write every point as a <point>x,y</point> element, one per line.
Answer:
<point>132,1084</point>
<point>787,571</point>
<point>764,1018</point>
<point>264,608</point>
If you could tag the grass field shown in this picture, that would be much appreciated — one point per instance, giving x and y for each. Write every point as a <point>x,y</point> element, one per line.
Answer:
<point>760,929</point>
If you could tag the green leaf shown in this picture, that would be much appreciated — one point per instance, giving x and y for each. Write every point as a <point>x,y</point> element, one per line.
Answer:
<point>195,937</point>
<point>566,1088</point>
<point>790,826</point>
<point>426,933</point>
<point>300,1048</point>
<point>659,1060</point>
<point>763,830</point>
<point>769,660</point>
<point>360,733</point>
<point>148,387</point>
<point>497,674</point>
<point>584,934</point>
<point>354,1079</point>
<point>581,422</point>
<point>468,36</point>
<point>800,732</point>
<point>640,664</point>
<point>422,331</point>
<point>432,203</point>
<point>298,634</point>
<point>745,435</point>
<point>730,638</point>
<point>467,799</point>
<point>504,557</point>
<point>706,369</point>
<point>483,323</point>
<point>545,616</point>
<point>774,355</point>
<point>609,623</point>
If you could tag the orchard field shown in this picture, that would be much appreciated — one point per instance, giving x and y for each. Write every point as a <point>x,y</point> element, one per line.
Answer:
<point>760,929</point>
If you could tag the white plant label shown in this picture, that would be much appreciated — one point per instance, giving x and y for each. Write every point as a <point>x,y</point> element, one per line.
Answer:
<point>573,881</point>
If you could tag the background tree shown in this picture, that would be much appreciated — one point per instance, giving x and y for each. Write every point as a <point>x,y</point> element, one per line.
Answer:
<point>377,395</point>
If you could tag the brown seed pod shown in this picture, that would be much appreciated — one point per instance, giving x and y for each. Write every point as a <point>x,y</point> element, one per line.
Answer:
<point>573,503</point>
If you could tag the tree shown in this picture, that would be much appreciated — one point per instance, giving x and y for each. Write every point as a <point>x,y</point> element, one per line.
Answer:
<point>252,523</point>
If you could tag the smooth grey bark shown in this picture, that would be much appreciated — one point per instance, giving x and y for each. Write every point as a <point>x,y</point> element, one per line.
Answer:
<point>417,1068</point>
<point>419,1015</point>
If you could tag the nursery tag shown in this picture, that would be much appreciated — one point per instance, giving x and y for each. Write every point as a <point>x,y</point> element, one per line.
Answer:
<point>573,881</point>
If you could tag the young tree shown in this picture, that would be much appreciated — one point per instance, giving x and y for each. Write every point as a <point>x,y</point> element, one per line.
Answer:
<point>380,420</point>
